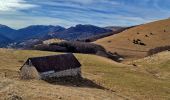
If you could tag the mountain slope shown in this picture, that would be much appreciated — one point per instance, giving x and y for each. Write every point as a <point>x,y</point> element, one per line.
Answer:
<point>37,31</point>
<point>7,31</point>
<point>34,31</point>
<point>135,42</point>
<point>4,41</point>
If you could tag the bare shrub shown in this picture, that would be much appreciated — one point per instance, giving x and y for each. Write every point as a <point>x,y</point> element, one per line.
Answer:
<point>46,47</point>
<point>139,42</point>
<point>146,36</point>
<point>158,49</point>
<point>14,97</point>
<point>151,33</point>
<point>142,44</point>
<point>109,41</point>
<point>80,47</point>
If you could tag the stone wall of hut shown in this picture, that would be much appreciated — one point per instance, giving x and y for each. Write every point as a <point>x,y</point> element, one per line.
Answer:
<point>68,72</point>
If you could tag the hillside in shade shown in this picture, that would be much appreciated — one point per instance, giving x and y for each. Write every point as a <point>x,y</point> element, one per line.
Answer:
<point>4,41</point>
<point>81,31</point>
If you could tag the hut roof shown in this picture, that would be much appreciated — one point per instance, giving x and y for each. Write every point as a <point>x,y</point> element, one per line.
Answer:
<point>54,63</point>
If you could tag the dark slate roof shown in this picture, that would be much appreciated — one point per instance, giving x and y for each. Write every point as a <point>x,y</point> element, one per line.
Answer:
<point>55,62</point>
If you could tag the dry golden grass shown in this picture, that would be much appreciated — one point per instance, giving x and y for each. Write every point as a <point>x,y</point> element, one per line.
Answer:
<point>125,81</point>
<point>158,65</point>
<point>158,34</point>
<point>11,86</point>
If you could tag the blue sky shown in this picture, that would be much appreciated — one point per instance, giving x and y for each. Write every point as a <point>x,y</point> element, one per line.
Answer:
<point>22,13</point>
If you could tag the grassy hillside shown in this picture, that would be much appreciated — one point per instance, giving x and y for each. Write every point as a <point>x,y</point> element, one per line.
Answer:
<point>153,35</point>
<point>119,80</point>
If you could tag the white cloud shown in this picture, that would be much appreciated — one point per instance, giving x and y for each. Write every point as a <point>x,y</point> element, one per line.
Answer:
<point>12,5</point>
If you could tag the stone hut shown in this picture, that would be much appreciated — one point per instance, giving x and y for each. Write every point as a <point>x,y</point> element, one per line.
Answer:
<point>51,66</point>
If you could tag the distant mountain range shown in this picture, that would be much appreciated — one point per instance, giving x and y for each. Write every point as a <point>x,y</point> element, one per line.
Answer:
<point>8,35</point>
<point>7,32</point>
<point>81,31</point>
<point>34,31</point>
<point>4,41</point>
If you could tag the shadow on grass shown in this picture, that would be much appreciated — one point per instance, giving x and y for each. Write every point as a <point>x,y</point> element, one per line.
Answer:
<point>74,81</point>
